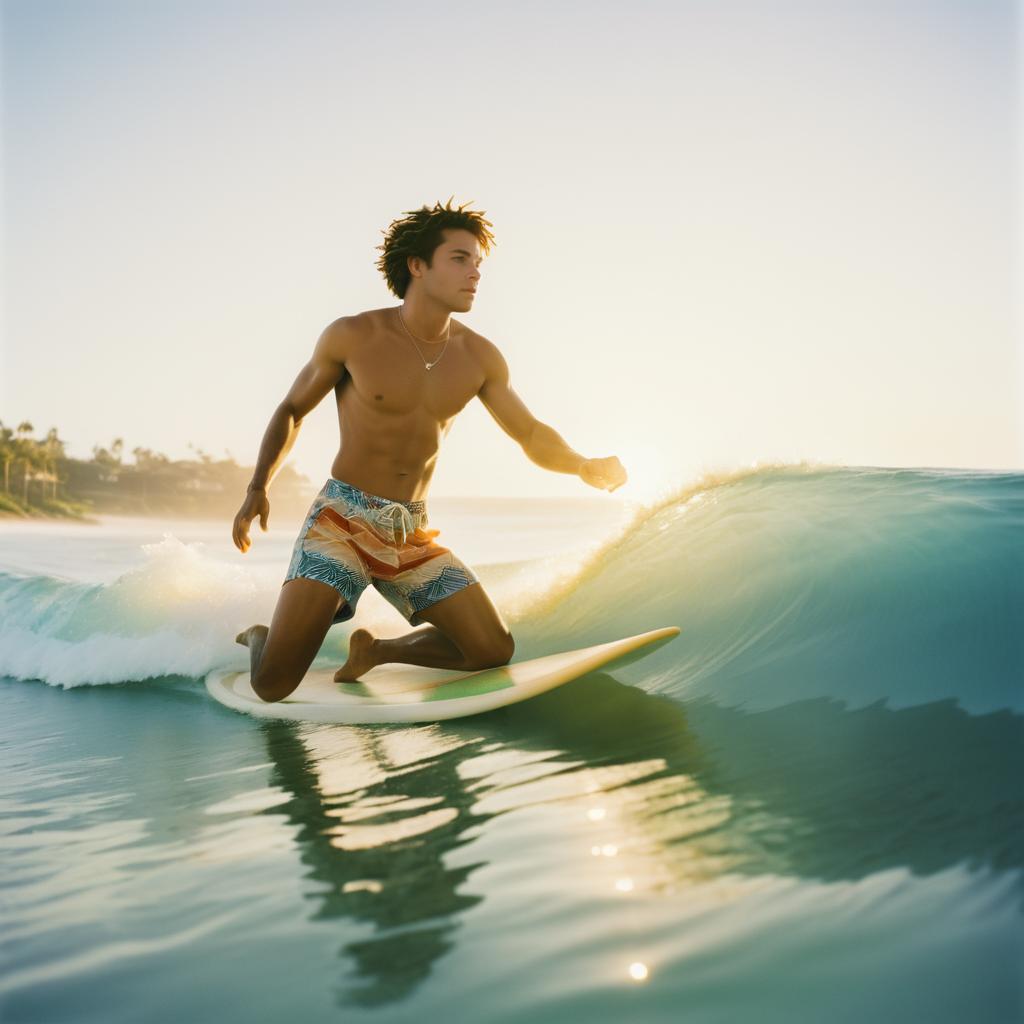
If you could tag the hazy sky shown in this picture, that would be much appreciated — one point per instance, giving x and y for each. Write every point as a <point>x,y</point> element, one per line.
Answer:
<point>728,232</point>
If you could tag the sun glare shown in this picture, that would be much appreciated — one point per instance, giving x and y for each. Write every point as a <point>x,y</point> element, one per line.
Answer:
<point>649,475</point>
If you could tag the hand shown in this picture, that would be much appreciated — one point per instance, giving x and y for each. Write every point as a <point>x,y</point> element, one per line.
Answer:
<point>255,504</point>
<point>604,474</point>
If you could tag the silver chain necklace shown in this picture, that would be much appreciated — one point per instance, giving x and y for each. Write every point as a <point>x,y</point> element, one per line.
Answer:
<point>412,338</point>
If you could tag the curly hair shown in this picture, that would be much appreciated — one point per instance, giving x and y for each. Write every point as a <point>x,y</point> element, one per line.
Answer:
<point>419,233</point>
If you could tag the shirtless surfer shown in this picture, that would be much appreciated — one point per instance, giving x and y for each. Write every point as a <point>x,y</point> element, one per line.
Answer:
<point>400,375</point>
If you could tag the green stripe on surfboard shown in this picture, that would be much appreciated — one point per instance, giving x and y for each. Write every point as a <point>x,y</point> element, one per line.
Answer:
<point>472,686</point>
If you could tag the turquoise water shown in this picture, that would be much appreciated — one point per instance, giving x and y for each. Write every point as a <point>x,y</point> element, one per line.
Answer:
<point>807,807</point>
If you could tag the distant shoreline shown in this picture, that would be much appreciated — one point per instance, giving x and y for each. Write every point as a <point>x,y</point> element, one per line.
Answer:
<point>95,517</point>
<point>36,514</point>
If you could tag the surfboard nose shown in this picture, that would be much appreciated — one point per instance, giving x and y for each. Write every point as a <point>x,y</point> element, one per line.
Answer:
<point>665,631</point>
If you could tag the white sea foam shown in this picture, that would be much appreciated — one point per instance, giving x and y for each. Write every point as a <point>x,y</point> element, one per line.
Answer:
<point>177,613</point>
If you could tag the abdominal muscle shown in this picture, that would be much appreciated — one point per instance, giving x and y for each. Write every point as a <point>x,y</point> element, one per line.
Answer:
<point>391,456</point>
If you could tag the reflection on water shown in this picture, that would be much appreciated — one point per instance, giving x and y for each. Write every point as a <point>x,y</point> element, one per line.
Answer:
<point>142,824</point>
<point>647,796</point>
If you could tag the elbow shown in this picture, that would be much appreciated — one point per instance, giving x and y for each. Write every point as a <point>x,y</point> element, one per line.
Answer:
<point>290,415</point>
<point>528,438</point>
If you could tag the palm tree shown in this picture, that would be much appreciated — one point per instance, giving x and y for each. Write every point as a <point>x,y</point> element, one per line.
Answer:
<point>25,453</point>
<point>7,454</point>
<point>53,448</point>
<point>109,462</point>
<point>32,457</point>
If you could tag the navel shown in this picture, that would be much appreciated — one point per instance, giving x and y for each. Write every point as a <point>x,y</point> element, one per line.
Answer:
<point>378,397</point>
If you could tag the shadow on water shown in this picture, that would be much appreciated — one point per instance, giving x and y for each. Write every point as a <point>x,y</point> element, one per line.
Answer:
<point>811,790</point>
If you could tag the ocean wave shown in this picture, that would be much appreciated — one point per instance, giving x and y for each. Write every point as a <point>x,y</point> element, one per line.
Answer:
<point>859,584</point>
<point>789,582</point>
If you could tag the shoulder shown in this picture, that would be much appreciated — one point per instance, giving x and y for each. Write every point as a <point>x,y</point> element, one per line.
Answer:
<point>484,352</point>
<point>342,336</point>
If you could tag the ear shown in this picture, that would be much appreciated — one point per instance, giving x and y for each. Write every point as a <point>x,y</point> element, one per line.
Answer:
<point>413,263</point>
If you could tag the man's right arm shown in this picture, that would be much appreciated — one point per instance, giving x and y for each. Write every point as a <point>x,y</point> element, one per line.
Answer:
<point>315,379</point>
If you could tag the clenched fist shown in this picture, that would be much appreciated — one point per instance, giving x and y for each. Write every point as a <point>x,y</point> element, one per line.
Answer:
<point>604,474</point>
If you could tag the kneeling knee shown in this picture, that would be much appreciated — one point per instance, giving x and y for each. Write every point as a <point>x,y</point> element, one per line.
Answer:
<point>271,689</point>
<point>508,649</point>
<point>497,654</point>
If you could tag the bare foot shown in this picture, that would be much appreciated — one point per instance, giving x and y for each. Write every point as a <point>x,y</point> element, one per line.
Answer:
<point>255,638</point>
<point>361,650</point>
<point>247,636</point>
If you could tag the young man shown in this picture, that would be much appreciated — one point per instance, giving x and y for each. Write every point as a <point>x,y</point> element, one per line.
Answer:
<point>399,375</point>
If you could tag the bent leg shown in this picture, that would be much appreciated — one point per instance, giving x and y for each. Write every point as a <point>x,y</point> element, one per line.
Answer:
<point>466,633</point>
<point>468,620</point>
<point>305,611</point>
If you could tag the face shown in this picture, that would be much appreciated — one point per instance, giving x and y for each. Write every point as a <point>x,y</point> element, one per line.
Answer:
<point>454,274</point>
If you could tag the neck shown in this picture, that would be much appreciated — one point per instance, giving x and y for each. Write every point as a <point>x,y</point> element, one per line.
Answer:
<point>427,319</point>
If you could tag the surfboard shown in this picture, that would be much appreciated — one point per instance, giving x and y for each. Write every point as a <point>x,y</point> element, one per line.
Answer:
<point>412,693</point>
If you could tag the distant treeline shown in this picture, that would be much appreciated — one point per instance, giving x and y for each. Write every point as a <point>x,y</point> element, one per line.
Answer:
<point>39,479</point>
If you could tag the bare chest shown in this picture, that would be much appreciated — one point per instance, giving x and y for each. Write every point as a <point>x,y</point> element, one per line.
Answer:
<point>392,379</point>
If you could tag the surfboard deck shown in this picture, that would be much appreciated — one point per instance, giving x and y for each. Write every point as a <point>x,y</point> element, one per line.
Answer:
<point>412,693</point>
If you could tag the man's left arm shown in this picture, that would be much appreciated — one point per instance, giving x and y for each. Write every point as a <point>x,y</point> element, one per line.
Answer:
<point>541,443</point>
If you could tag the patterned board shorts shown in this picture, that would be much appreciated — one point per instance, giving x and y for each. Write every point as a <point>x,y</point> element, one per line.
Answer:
<point>351,539</point>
